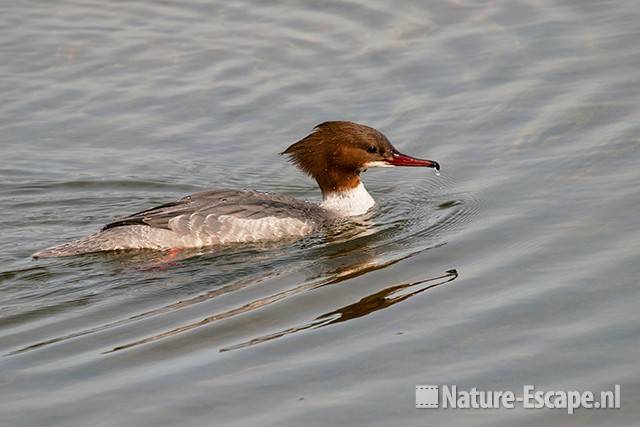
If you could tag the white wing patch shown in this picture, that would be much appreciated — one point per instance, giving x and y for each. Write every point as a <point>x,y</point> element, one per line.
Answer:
<point>238,230</point>
<point>197,230</point>
<point>189,231</point>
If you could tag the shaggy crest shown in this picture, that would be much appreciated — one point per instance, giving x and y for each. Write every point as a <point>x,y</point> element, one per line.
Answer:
<point>335,153</point>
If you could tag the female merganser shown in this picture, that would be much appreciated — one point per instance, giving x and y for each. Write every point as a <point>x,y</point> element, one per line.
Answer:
<point>334,154</point>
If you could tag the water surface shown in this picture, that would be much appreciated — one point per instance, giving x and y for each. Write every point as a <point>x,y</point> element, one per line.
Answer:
<point>518,265</point>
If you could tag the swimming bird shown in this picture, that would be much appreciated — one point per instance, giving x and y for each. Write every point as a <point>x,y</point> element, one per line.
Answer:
<point>334,154</point>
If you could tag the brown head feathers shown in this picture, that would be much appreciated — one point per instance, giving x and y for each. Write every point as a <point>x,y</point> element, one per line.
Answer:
<point>336,152</point>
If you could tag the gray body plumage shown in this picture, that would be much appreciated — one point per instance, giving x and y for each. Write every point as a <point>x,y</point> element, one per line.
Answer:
<point>204,219</point>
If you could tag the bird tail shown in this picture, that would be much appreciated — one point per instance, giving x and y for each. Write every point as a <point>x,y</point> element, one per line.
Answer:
<point>85,245</point>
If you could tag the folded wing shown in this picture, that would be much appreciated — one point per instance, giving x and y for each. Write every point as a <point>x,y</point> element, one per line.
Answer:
<point>222,216</point>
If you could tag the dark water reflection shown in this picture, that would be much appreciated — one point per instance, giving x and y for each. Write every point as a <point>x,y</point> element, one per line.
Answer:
<point>527,243</point>
<point>367,305</point>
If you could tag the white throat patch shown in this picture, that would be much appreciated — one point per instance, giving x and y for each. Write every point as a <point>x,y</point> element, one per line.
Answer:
<point>356,201</point>
<point>378,164</point>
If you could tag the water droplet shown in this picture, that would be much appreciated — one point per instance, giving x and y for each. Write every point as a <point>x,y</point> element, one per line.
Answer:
<point>437,172</point>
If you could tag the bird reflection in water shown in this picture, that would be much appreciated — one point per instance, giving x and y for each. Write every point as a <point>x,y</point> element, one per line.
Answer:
<point>353,259</point>
<point>367,305</point>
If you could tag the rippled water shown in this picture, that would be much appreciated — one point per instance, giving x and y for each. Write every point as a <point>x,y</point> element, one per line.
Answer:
<point>518,265</point>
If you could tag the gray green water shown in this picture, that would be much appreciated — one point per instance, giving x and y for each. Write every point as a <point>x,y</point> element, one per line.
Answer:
<point>531,107</point>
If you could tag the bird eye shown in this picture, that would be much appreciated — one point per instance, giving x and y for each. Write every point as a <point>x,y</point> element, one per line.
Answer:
<point>372,149</point>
